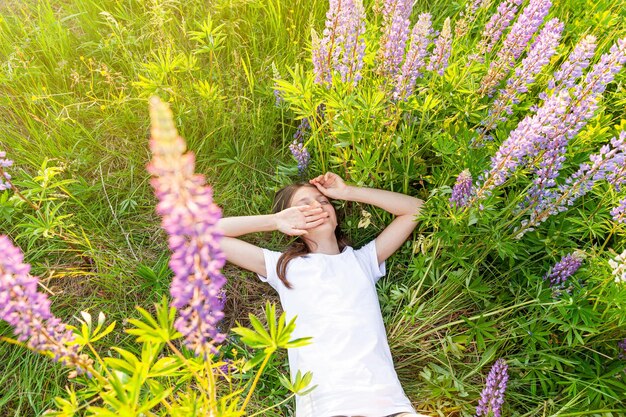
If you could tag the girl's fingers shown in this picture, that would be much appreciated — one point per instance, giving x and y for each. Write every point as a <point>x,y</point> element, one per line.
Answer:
<point>315,223</point>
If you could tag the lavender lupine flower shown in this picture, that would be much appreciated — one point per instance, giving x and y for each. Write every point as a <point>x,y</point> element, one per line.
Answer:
<point>277,95</point>
<point>622,346</point>
<point>189,218</point>
<point>577,61</point>
<point>494,28</point>
<point>341,47</point>
<point>443,45</point>
<point>619,212</point>
<point>588,92</point>
<point>492,397</point>
<point>5,177</point>
<point>395,33</point>
<point>619,268</point>
<point>414,61</point>
<point>467,16</point>
<point>297,148</point>
<point>522,144</point>
<point>28,311</point>
<point>586,97</point>
<point>353,42</point>
<point>539,56</point>
<point>515,42</point>
<point>462,189</point>
<point>564,269</point>
<point>579,183</point>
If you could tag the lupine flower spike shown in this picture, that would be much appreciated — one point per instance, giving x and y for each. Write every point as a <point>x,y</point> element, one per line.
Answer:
<point>28,311</point>
<point>443,45</point>
<point>4,176</point>
<point>522,144</point>
<point>619,212</point>
<point>462,189</point>
<point>577,61</point>
<point>605,165</point>
<point>342,46</point>
<point>277,94</point>
<point>415,58</point>
<point>492,397</point>
<point>396,23</point>
<point>619,268</point>
<point>564,269</point>
<point>539,56</point>
<point>622,347</point>
<point>297,148</point>
<point>494,28</point>
<point>515,42</point>
<point>189,218</point>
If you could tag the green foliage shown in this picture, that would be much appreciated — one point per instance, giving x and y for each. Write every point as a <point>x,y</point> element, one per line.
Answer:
<point>162,379</point>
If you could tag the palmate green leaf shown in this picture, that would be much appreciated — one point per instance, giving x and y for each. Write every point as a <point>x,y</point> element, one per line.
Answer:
<point>300,384</point>
<point>252,338</point>
<point>151,330</point>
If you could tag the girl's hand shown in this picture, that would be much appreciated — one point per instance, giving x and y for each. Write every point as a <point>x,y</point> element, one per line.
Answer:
<point>295,221</point>
<point>331,185</point>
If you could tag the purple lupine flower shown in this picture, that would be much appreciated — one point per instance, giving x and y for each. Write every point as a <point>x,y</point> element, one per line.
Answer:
<point>588,92</point>
<point>278,96</point>
<point>619,212</point>
<point>28,311</point>
<point>414,61</point>
<point>353,46</point>
<point>539,56</point>
<point>395,33</point>
<point>189,218</point>
<point>564,269</point>
<point>492,397</point>
<point>579,183</point>
<point>5,177</point>
<point>619,268</point>
<point>342,46</point>
<point>462,189</point>
<point>494,28</point>
<point>515,42</point>
<point>443,45</point>
<point>522,144</point>
<point>586,96</point>
<point>297,148</point>
<point>622,346</point>
<point>577,61</point>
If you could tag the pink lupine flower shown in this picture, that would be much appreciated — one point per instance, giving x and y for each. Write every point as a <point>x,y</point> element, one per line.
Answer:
<point>494,28</point>
<point>396,23</point>
<point>189,218</point>
<point>415,58</point>
<point>443,45</point>
<point>28,311</point>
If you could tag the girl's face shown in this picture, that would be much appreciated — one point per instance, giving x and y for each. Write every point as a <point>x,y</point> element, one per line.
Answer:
<point>313,197</point>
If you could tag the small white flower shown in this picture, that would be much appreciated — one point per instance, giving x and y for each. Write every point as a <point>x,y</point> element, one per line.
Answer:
<point>619,267</point>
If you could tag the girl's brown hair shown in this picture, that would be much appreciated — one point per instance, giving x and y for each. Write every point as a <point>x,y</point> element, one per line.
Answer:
<point>282,200</point>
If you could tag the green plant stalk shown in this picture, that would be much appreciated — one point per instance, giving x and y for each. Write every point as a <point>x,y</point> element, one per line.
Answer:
<point>274,406</point>
<point>256,379</point>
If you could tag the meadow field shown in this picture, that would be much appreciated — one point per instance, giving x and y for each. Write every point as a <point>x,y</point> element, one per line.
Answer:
<point>517,144</point>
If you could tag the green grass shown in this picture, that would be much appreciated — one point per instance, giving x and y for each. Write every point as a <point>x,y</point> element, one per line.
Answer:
<point>74,81</point>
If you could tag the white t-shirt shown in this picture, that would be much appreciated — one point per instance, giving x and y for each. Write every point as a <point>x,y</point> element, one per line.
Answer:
<point>335,301</point>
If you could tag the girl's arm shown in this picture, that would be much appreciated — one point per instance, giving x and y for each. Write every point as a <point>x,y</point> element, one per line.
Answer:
<point>404,207</point>
<point>292,221</point>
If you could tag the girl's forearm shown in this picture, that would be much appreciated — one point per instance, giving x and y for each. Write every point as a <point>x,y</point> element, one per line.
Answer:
<point>397,204</point>
<point>241,225</point>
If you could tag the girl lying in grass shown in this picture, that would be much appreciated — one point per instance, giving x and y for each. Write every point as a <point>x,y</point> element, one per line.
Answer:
<point>330,287</point>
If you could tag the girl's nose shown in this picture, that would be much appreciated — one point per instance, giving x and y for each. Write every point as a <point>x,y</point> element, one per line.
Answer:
<point>315,204</point>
